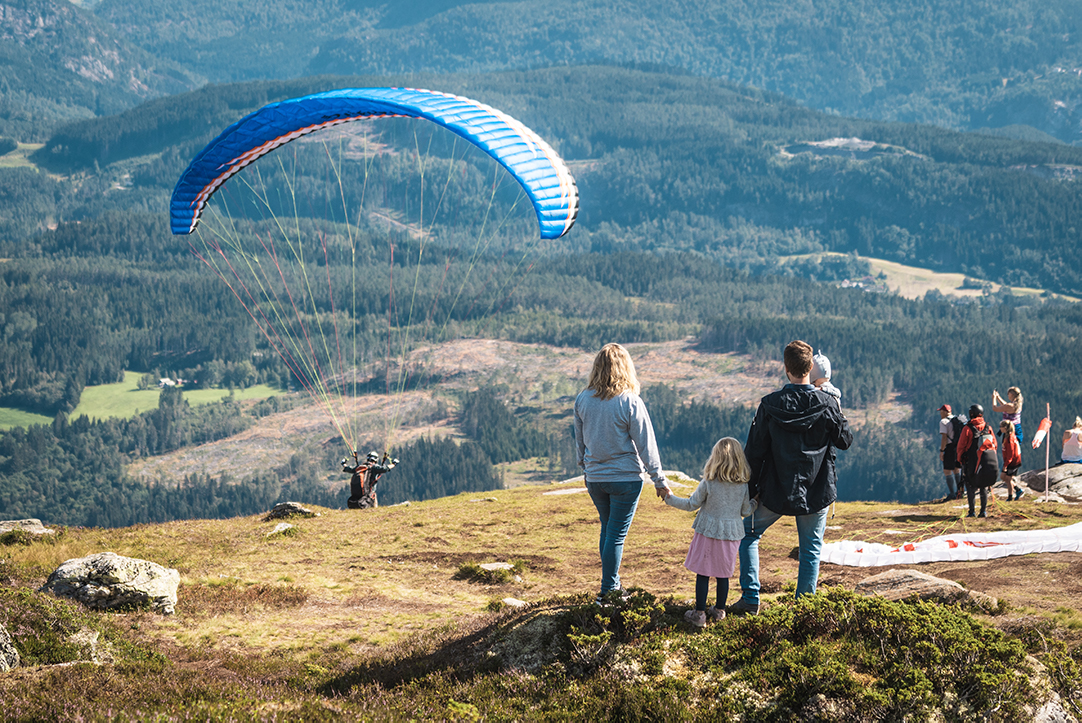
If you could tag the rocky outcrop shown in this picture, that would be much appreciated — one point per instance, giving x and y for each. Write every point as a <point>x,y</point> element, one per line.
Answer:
<point>1064,480</point>
<point>30,526</point>
<point>9,656</point>
<point>107,581</point>
<point>284,510</point>
<point>903,584</point>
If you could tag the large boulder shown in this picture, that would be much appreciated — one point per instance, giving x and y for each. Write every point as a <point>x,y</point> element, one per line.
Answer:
<point>1063,479</point>
<point>284,510</point>
<point>9,656</point>
<point>901,584</point>
<point>30,526</point>
<point>107,581</point>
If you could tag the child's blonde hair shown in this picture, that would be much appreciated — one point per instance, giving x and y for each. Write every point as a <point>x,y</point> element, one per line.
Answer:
<point>727,463</point>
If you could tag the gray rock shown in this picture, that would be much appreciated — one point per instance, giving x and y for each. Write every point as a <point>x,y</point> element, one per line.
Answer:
<point>9,656</point>
<point>1064,480</point>
<point>902,584</point>
<point>280,528</point>
<point>289,509</point>
<point>1045,706</point>
<point>106,581</point>
<point>32,526</point>
<point>94,650</point>
<point>493,566</point>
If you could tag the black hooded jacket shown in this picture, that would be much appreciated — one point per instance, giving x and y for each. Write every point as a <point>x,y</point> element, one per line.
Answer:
<point>791,449</point>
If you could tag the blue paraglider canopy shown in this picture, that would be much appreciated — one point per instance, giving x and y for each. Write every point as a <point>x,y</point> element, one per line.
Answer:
<point>529,159</point>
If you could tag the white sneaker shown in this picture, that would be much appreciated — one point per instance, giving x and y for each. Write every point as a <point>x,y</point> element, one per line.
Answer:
<point>696,618</point>
<point>715,613</point>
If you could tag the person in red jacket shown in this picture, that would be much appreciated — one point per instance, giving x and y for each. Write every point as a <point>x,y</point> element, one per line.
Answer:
<point>977,455</point>
<point>1012,460</point>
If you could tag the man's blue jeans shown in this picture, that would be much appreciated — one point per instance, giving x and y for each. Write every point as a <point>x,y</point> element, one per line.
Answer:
<point>809,530</point>
<point>616,503</point>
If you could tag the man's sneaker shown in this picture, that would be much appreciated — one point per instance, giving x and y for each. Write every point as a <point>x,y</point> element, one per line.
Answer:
<point>715,613</point>
<point>744,608</point>
<point>1019,494</point>
<point>616,595</point>
<point>696,618</point>
<point>983,514</point>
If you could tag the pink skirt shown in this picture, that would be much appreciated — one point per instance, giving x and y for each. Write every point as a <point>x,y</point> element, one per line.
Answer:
<point>710,557</point>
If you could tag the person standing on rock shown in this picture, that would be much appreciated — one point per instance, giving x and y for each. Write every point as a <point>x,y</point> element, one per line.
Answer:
<point>791,451</point>
<point>1072,443</point>
<point>618,451</point>
<point>1011,408</point>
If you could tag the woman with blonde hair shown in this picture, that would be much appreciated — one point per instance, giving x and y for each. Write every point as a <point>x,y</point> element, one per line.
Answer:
<point>617,449</point>
<point>1072,442</point>
<point>1011,408</point>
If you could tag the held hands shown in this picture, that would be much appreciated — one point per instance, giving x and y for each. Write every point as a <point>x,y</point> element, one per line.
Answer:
<point>663,492</point>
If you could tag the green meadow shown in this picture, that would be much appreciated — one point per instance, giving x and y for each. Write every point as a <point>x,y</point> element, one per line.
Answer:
<point>10,417</point>
<point>125,399</point>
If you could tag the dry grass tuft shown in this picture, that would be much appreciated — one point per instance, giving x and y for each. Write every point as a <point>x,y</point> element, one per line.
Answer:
<point>230,597</point>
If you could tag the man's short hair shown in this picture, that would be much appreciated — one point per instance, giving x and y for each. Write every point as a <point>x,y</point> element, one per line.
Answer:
<point>798,358</point>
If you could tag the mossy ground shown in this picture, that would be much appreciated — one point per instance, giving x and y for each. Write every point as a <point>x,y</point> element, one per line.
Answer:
<point>360,615</point>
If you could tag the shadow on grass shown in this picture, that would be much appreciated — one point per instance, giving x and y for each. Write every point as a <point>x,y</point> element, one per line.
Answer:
<point>572,632</point>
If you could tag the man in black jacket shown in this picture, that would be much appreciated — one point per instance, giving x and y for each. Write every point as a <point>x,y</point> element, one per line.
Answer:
<point>791,452</point>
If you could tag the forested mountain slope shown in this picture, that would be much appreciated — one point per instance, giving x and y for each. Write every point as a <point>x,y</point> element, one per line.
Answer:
<point>60,62</point>
<point>683,162</point>
<point>958,64</point>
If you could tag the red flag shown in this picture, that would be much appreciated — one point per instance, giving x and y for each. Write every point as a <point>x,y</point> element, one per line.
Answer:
<point>1042,432</point>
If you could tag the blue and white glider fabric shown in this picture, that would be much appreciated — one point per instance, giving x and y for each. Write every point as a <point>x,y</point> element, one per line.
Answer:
<point>528,158</point>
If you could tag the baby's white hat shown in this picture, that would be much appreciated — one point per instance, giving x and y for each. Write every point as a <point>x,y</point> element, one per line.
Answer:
<point>820,367</point>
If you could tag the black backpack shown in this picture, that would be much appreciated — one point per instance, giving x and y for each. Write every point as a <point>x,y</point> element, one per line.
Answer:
<point>956,430</point>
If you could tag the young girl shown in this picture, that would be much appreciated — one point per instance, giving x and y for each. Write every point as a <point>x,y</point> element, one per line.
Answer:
<point>1012,460</point>
<point>722,500</point>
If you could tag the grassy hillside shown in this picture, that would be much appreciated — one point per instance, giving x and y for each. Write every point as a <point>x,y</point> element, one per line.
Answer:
<point>386,615</point>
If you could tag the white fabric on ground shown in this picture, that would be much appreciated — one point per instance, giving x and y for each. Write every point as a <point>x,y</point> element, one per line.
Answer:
<point>954,547</point>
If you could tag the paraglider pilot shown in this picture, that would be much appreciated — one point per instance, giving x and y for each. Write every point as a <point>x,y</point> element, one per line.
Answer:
<point>364,476</point>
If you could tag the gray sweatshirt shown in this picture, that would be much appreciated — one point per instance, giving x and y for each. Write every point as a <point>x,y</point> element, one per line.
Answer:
<point>615,439</point>
<point>722,507</point>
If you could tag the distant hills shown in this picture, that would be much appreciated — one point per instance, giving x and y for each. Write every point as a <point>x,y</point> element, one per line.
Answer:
<point>962,65</point>
<point>60,62</point>
<point>698,164</point>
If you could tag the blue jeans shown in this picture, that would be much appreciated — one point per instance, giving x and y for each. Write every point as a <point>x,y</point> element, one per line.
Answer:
<point>809,530</point>
<point>616,503</point>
